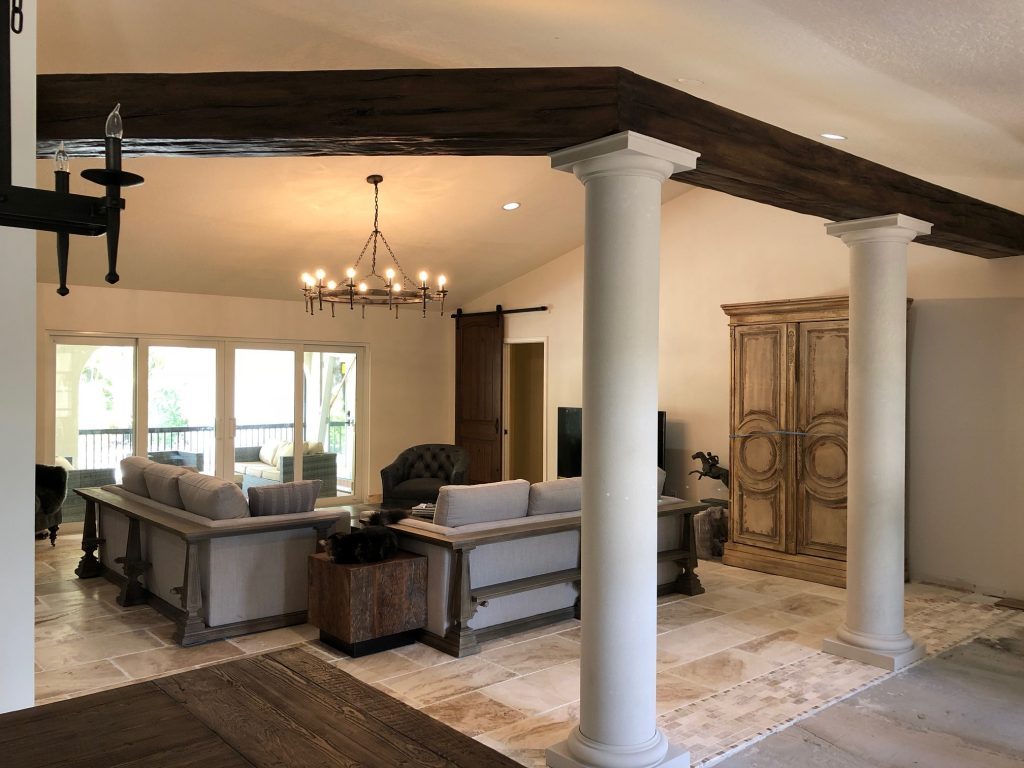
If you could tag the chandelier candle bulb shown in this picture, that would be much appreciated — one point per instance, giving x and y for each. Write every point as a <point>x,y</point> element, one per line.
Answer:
<point>320,274</point>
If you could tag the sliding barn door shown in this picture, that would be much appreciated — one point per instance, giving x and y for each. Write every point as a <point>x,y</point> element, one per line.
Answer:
<point>479,341</point>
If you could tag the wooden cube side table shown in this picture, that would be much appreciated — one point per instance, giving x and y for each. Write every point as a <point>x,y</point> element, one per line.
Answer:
<point>364,608</point>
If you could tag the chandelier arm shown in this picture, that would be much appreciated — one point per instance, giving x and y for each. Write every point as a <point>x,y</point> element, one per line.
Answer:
<point>408,280</point>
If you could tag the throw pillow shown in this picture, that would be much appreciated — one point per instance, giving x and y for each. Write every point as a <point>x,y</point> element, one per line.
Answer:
<point>162,483</point>
<point>309,447</point>
<point>60,461</point>
<point>132,479</point>
<point>552,496</point>
<point>485,503</point>
<point>284,498</point>
<point>211,497</point>
<point>285,450</point>
<point>269,451</point>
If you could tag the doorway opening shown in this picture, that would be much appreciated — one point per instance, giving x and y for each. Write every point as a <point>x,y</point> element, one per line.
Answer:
<point>525,408</point>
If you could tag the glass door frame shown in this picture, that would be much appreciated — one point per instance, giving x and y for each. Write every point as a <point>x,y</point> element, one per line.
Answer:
<point>46,450</point>
<point>142,393</point>
<point>225,425</point>
<point>361,459</point>
<point>299,349</point>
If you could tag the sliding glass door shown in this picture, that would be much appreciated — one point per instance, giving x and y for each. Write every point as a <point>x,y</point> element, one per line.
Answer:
<point>224,408</point>
<point>182,405</point>
<point>94,402</point>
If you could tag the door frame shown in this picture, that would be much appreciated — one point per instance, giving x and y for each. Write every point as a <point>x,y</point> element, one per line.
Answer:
<point>506,402</point>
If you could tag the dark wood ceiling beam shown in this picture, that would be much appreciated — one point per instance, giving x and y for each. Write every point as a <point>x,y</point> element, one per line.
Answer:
<point>502,112</point>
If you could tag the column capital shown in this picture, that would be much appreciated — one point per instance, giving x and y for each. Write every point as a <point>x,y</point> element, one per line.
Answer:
<point>895,226</point>
<point>624,152</point>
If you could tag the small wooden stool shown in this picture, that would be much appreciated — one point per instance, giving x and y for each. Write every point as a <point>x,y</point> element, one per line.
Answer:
<point>364,608</point>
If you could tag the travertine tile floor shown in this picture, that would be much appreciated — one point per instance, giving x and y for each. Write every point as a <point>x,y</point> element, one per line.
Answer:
<point>741,661</point>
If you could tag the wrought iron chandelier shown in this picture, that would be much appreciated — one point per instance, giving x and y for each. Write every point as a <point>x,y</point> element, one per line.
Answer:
<point>392,289</point>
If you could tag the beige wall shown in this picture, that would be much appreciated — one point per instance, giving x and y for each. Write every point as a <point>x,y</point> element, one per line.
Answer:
<point>411,360</point>
<point>717,249</point>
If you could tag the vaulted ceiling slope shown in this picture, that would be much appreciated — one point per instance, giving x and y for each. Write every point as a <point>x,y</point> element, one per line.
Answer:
<point>506,112</point>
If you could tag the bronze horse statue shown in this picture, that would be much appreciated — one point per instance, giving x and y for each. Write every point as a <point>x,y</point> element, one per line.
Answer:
<point>710,468</point>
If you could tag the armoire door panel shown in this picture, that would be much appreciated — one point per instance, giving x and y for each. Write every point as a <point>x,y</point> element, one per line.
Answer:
<point>822,529</point>
<point>822,453</point>
<point>760,517</point>
<point>758,460</point>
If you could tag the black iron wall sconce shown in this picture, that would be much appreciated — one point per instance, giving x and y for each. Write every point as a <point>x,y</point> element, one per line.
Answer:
<point>59,210</point>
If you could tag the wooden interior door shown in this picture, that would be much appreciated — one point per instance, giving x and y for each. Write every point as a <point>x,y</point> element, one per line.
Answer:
<point>479,347</point>
<point>761,460</point>
<point>822,372</point>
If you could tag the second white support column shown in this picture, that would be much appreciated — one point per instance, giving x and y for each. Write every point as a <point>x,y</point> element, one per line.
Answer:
<point>623,175</point>
<point>873,631</point>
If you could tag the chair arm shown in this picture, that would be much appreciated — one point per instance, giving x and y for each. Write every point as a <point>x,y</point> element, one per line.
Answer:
<point>393,474</point>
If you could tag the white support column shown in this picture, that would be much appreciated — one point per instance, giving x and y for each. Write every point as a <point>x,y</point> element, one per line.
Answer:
<point>623,175</point>
<point>873,632</point>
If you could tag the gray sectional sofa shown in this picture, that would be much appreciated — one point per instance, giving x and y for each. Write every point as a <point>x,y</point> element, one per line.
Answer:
<point>502,557</point>
<point>197,550</point>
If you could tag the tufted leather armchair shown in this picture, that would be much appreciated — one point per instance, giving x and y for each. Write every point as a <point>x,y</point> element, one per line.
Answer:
<point>419,472</point>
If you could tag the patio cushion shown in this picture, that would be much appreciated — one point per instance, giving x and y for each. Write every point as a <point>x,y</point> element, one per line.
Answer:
<point>211,497</point>
<point>162,483</point>
<point>132,478</point>
<point>283,499</point>
<point>268,452</point>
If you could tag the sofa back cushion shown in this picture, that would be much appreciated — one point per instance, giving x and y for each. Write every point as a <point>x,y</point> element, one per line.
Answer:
<point>562,495</point>
<point>283,498</point>
<point>132,479</point>
<point>464,504</point>
<point>162,483</point>
<point>211,497</point>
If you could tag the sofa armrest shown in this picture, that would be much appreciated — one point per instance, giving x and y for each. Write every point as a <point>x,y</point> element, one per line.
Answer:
<point>247,453</point>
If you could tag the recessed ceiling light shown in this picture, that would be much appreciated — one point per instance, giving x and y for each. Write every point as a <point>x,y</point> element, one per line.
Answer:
<point>833,136</point>
<point>510,206</point>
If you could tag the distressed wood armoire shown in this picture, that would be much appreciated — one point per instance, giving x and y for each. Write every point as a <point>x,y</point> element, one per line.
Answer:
<point>788,421</point>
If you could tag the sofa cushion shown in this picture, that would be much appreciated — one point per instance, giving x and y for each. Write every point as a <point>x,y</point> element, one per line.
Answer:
<point>562,495</point>
<point>283,499</point>
<point>464,504</point>
<point>162,483</point>
<point>132,478</point>
<point>268,452</point>
<point>211,497</point>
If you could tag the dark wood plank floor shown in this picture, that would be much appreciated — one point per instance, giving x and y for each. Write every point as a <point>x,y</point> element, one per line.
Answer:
<point>282,709</point>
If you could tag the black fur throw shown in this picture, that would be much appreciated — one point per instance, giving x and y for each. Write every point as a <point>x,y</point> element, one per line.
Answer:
<point>370,544</point>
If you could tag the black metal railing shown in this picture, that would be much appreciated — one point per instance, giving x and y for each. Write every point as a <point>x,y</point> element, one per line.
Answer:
<point>99,448</point>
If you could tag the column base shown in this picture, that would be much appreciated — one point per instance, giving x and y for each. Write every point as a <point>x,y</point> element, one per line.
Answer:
<point>558,756</point>
<point>889,660</point>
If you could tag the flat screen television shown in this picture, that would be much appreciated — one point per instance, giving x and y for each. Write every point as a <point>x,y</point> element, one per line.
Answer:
<point>570,441</point>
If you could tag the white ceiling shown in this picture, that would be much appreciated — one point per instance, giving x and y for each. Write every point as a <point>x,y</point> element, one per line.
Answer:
<point>931,87</point>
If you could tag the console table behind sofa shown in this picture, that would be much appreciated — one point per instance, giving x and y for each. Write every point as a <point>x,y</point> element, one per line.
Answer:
<point>230,577</point>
